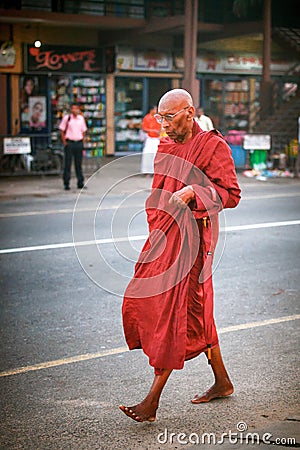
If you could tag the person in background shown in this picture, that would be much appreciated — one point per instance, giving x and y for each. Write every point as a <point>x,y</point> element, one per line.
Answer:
<point>152,129</point>
<point>72,129</point>
<point>204,122</point>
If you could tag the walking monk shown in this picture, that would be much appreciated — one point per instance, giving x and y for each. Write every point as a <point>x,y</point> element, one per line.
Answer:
<point>168,305</point>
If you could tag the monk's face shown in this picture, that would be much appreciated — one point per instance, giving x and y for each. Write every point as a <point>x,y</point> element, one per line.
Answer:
<point>179,126</point>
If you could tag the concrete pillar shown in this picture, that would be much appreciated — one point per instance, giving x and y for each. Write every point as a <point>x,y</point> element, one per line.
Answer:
<point>190,83</point>
<point>15,108</point>
<point>110,122</point>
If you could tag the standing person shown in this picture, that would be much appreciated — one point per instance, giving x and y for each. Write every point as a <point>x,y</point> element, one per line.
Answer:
<point>73,128</point>
<point>168,305</point>
<point>203,121</point>
<point>152,129</point>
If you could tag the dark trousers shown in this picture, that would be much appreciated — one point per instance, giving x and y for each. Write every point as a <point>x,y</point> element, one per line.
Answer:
<point>73,149</point>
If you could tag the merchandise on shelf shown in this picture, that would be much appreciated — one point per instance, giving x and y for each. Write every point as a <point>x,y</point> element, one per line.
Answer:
<point>128,125</point>
<point>236,109</point>
<point>60,91</point>
<point>90,94</point>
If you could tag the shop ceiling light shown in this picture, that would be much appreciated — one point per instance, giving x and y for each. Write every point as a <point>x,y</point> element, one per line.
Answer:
<point>37,43</point>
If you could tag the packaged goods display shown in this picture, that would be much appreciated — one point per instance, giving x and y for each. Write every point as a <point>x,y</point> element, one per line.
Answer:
<point>89,93</point>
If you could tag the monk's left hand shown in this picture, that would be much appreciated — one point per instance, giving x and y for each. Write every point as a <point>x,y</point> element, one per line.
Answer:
<point>182,197</point>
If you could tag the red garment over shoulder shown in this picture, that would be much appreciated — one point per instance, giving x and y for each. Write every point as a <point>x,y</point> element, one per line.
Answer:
<point>168,305</point>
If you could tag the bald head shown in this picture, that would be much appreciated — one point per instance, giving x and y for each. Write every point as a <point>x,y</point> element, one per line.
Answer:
<point>175,98</point>
<point>176,113</point>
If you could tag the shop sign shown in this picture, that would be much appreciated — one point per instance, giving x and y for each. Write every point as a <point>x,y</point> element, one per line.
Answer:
<point>7,54</point>
<point>61,59</point>
<point>16,145</point>
<point>257,142</point>
<point>254,64</point>
<point>149,60</point>
<point>211,62</point>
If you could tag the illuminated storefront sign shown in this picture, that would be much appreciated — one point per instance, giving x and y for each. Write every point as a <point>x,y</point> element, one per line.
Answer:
<point>61,59</point>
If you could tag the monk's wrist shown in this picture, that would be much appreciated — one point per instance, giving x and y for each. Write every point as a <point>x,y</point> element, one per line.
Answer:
<point>193,192</point>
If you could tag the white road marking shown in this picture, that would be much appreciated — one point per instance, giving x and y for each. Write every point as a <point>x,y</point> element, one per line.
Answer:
<point>255,226</point>
<point>33,248</point>
<point>119,350</point>
<point>71,244</point>
<point>68,211</point>
<point>266,196</point>
<point>112,207</point>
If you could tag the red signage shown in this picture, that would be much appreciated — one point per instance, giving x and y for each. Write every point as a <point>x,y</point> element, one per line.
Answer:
<point>61,59</point>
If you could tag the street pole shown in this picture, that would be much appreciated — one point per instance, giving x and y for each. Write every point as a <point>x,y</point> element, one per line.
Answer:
<point>190,82</point>
<point>266,84</point>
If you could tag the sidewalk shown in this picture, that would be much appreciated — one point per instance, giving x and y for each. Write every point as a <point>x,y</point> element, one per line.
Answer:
<point>113,171</point>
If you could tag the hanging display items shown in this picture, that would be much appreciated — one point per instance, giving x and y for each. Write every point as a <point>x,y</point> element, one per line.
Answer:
<point>89,93</point>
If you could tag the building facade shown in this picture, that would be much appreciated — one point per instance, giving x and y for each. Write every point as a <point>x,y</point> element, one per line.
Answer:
<point>116,59</point>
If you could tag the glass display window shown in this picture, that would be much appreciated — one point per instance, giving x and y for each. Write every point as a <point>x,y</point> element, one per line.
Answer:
<point>128,114</point>
<point>213,101</point>
<point>227,102</point>
<point>61,98</point>
<point>89,93</point>
<point>133,97</point>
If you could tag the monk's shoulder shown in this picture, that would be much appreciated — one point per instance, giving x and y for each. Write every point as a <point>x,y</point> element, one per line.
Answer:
<point>215,139</point>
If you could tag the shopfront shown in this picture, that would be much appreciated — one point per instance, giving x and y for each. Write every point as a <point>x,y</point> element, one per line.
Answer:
<point>55,77</point>
<point>230,87</point>
<point>134,96</point>
<point>142,77</point>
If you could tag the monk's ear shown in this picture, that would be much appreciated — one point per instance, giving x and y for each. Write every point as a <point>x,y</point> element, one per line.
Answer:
<point>191,113</point>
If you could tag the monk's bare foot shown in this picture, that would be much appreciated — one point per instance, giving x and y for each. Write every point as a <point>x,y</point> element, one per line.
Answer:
<point>216,391</point>
<point>143,412</point>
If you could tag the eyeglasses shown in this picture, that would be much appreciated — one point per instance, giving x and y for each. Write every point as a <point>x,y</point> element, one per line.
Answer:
<point>168,117</point>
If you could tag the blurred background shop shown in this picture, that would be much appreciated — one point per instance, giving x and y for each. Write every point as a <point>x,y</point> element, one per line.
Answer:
<point>116,58</point>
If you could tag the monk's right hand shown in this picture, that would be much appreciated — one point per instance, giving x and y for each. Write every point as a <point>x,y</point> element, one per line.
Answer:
<point>182,197</point>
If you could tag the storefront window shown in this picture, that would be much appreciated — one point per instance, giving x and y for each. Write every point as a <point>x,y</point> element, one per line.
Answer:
<point>213,101</point>
<point>89,93</point>
<point>227,102</point>
<point>133,97</point>
<point>128,113</point>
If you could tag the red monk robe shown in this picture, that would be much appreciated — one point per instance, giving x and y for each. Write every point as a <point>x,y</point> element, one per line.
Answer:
<point>168,305</point>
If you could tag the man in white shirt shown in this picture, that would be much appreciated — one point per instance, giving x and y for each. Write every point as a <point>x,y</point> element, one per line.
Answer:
<point>203,121</point>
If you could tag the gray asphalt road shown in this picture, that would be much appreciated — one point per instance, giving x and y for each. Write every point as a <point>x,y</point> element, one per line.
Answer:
<point>51,311</point>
